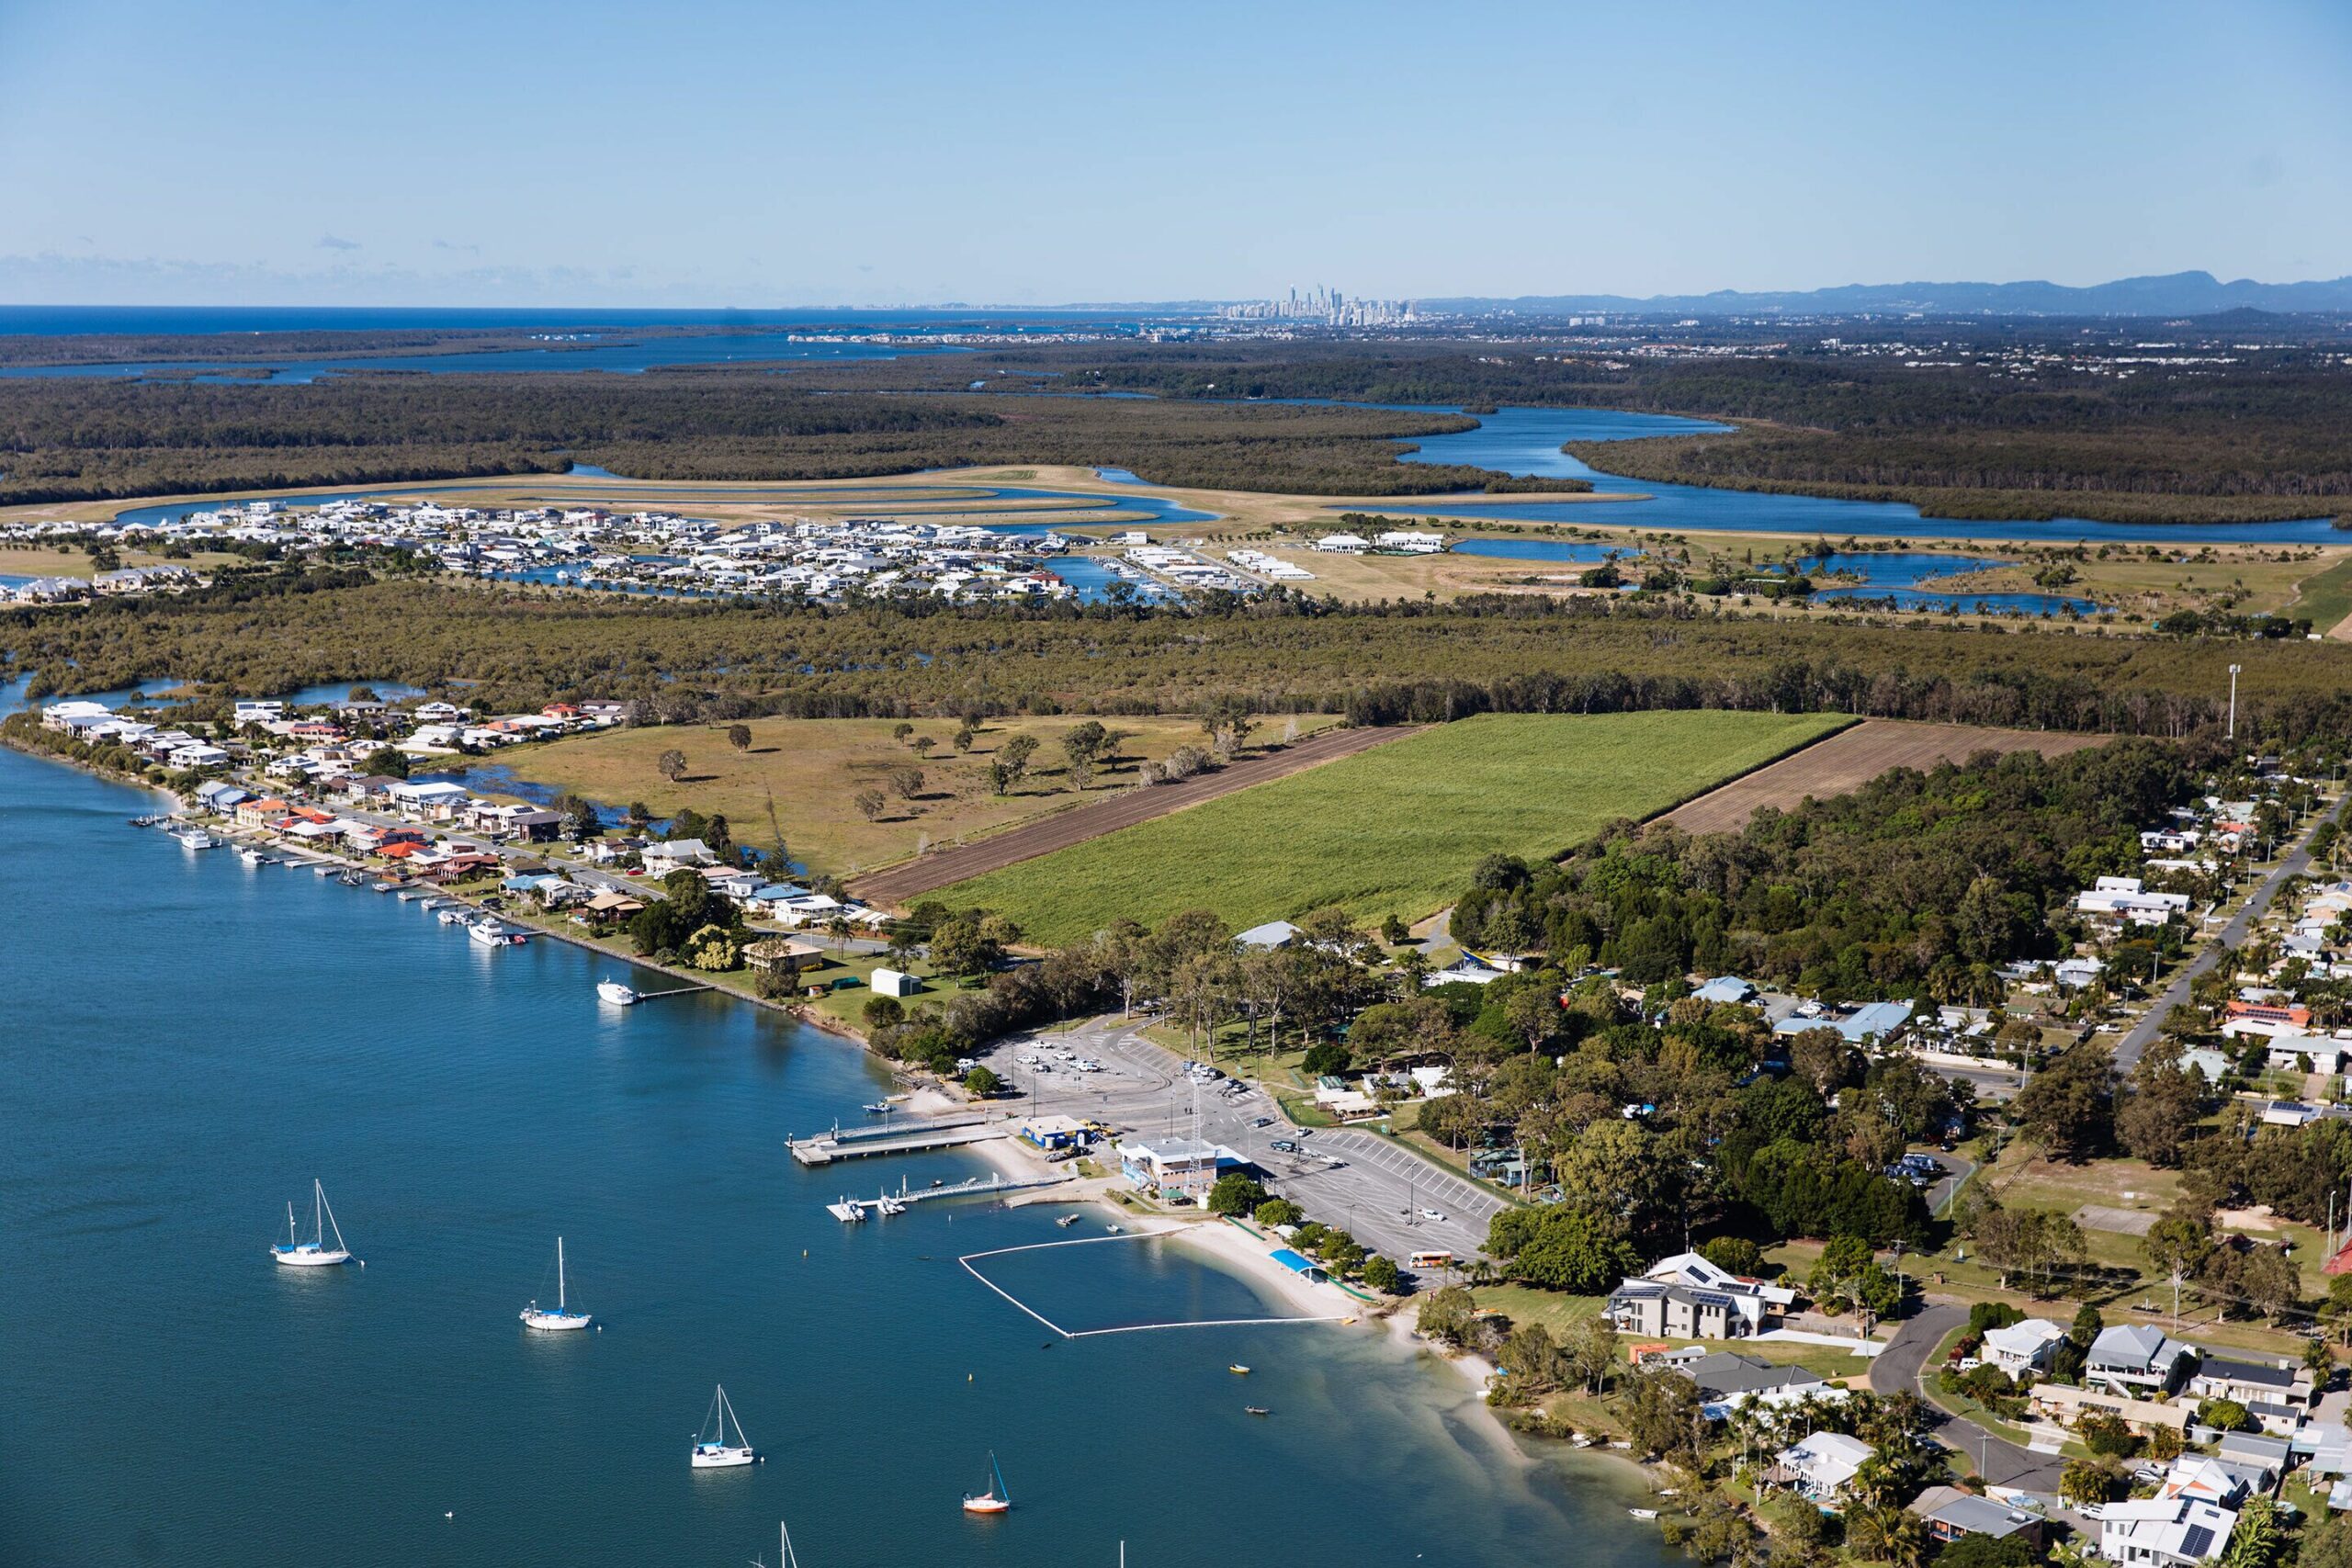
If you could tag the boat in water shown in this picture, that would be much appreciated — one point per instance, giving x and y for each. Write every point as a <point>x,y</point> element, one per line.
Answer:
<point>562,1317</point>
<point>314,1253</point>
<point>848,1212</point>
<point>1643,1513</point>
<point>195,839</point>
<point>878,1108</point>
<point>491,933</point>
<point>889,1206</point>
<point>1238,1370</point>
<point>997,1499</point>
<point>252,856</point>
<point>617,993</point>
<point>715,1452</point>
<point>452,914</point>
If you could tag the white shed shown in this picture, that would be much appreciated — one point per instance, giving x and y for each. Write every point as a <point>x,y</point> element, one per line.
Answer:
<point>894,983</point>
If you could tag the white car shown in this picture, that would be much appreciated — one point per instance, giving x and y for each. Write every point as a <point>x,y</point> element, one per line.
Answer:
<point>1432,1216</point>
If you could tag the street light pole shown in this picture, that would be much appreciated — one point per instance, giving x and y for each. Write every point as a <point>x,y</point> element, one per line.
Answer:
<point>2234,700</point>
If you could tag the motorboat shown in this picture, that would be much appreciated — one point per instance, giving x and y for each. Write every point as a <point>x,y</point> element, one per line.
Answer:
<point>453,915</point>
<point>997,1499</point>
<point>492,933</point>
<point>878,1108</point>
<point>1238,1370</point>
<point>1643,1513</point>
<point>617,993</point>
<point>195,839</point>
<point>296,1253</point>
<point>848,1212</point>
<point>1256,1410</point>
<point>251,855</point>
<point>715,1452</point>
<point>889,1206</point>
<point>562,1317</point>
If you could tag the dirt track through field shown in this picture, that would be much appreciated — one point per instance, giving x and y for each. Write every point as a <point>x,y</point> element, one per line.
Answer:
<point>898,883</point>
<point>1853,757</point>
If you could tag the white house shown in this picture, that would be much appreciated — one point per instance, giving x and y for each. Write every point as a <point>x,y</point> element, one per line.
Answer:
<point>676,854</point>
<point>2130,1359</point>
<point>2163,1532</point>
<point>1823,1465</point>
<point>1344,543</point>
<point>2022,1347</point>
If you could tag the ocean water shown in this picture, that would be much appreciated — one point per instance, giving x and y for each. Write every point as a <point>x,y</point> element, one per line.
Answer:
<point>190,1042</point>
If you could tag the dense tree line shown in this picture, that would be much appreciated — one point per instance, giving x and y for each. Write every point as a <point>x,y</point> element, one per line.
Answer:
<point>277,629</point>
<point>1917,884</point>
<point>73,438</point>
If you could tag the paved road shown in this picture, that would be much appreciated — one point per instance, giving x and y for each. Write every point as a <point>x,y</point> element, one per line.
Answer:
<point>1371,1186</point>
<point>2143,1033</point>
<point>2001,1463</point>
<point>898,883</point>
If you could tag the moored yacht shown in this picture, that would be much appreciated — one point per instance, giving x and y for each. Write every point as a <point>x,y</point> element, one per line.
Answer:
<point>617,993</point>
<point>562,1317</point>
<point>715,1452</point>
<point>314,1253</point>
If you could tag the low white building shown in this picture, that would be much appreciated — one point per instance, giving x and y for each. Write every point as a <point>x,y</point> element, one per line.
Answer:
<point>2022,1347</point>
<point>1822,1466</point>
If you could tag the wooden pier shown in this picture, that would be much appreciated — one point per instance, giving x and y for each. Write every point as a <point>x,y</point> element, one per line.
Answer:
<point>977,1187</point>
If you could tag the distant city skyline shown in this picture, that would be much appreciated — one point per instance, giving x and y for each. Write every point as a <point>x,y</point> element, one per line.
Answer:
<point>1050,152</point>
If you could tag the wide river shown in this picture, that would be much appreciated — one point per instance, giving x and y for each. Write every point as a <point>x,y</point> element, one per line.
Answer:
<point>190,1042</point>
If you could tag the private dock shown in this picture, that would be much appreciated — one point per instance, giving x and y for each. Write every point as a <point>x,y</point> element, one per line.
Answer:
<point>824,1148</point>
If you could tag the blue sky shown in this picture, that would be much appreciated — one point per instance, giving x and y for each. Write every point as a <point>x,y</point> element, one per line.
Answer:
<point>891,151</point>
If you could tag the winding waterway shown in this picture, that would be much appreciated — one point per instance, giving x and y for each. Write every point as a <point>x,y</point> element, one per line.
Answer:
<point>190,1042</point>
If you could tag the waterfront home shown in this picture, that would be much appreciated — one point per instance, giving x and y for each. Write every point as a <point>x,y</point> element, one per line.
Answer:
<point>258,814</point>
<point>428,800</point>
<point>2163,1532</point>
<point>611,905</point>
<point>1726,1380</point>
<point>198,755</point>
<point>733,883</point>
<point>1687,1297</point>
<point>2133,1358</point>
<point>219,796</point>
<point>1948,1513</point>
<point>666,856</point>
<point>779,953</point>
<point>1822,1466</point>
<point>65,715</point>
<point>2022,1347</point>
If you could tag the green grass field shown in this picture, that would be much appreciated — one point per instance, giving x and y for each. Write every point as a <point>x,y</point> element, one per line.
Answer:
<point>2325,597</point>
<point>1395,830</point>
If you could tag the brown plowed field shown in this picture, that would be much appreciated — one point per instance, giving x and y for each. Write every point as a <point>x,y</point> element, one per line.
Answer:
<point>1853,757</point>
<point>898,884</point>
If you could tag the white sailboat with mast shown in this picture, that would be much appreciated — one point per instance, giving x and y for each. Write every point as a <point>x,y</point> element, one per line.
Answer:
<point>296,1253</point>
<point>997,1499</point>
<point>562,1317</point>
<point>715,1452</point>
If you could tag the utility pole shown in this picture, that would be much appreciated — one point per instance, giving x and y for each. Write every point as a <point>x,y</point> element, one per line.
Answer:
<point>2234,700</point>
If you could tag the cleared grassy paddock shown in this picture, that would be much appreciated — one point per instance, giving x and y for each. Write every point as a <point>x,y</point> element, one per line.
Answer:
<point>1393,830</point>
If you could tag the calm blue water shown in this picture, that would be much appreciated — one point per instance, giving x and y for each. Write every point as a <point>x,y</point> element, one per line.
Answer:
<point>600,340</point>
<point>190,1042</point>
<point>1527,441</point>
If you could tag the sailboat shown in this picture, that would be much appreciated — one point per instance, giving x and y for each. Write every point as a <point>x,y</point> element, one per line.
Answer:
<point>314,1253</point>
<point>717,1453</point>
<point>537,1316</point>
<point>997,1499</point>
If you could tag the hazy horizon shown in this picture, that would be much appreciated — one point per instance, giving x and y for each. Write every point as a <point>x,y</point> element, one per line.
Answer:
<point>900,155</point>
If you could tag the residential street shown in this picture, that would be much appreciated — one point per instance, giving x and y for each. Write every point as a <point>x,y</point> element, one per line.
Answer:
<point>2001,1463</point>
<point>2297,861</point>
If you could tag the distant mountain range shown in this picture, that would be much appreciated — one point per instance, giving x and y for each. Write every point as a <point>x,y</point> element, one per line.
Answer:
<point>2175,294</point>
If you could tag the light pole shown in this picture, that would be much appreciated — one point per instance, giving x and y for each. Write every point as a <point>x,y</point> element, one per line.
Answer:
<point>2234,700</point>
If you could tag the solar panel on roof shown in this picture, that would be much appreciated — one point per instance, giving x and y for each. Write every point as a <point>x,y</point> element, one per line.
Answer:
<point>2194,1541</point>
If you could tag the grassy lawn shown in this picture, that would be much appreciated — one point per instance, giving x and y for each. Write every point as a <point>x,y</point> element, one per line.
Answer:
<point>1557,1312</point>
<point>813,769</point>
<point>1394,831</point>
<point>2325,597</point>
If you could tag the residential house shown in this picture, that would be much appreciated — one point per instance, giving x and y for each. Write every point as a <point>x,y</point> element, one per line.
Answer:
<point>1687,1297</point>
<point>1272,935</point>
<point>1725,1377</point>
<point>666,856</point>
<point>1822,1466</point>
<point>779,953</point>
<point>1948,1513</point>
<point>2066,1405</point>
<point>2022,1347</point>
<point>2132,1359</point>
<point>2279,1395</point>
<point>2163,1532</point>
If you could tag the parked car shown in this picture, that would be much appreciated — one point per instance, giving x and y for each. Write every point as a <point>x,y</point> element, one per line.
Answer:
<point>1286,1146</point>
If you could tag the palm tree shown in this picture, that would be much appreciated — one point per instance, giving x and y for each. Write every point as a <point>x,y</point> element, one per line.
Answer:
<point>837,929</point>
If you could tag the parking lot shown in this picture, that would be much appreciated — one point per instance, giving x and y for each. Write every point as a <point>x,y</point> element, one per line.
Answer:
<point>1388,1198</point>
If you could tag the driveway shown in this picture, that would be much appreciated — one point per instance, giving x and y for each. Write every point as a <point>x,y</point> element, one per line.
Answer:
<point>2001,1463</point>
